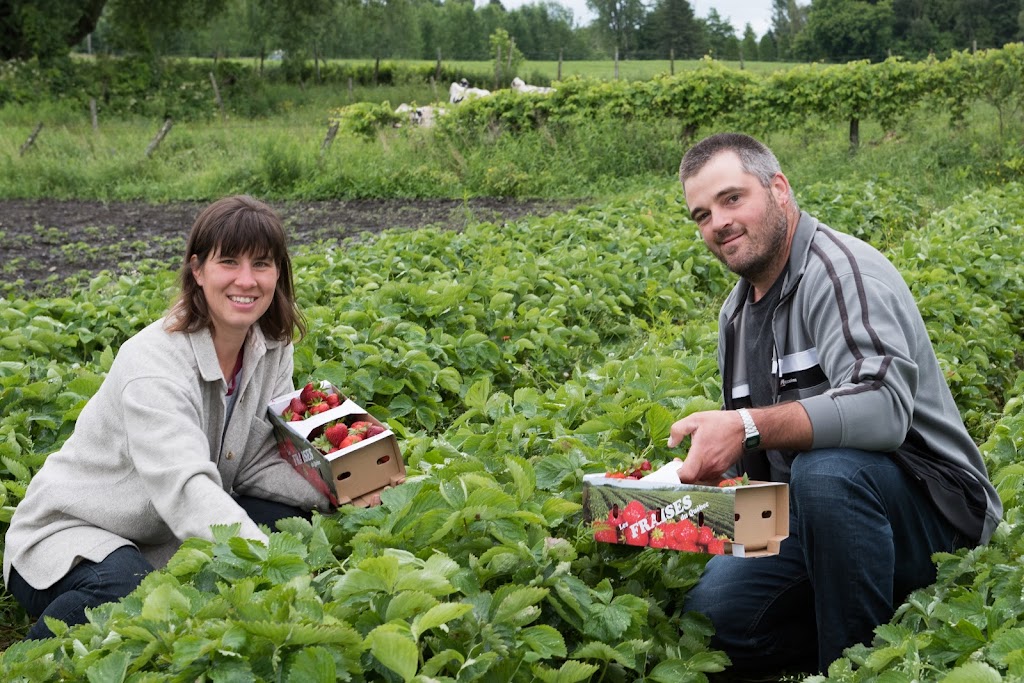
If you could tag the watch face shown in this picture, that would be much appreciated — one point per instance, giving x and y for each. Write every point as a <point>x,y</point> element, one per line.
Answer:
<point>752,442</point>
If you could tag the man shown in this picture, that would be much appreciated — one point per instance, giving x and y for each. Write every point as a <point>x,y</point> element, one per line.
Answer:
<point>831,384</point>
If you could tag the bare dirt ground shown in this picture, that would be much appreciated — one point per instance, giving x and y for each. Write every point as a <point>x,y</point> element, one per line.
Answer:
<point>44,242</point>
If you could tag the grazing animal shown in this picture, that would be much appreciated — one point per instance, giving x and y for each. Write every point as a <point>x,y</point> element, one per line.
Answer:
<point>460,91</point>
<point>520,86</point>
<point>420,116</point>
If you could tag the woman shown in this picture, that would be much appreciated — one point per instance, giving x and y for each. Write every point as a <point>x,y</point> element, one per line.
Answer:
<point>176,439</point>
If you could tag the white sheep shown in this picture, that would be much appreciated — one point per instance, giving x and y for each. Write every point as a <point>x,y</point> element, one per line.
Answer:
<point>421,116</point>
<point>460,91</point>
<point>520,86</point>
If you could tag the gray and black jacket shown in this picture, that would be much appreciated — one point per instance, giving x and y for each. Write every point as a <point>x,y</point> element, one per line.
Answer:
<point>852,348</point>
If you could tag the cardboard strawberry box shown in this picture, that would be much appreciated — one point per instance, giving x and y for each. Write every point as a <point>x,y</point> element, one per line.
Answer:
<point>351,475</point>
<point>749,520</point>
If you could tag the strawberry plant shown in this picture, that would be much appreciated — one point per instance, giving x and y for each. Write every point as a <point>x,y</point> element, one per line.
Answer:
<point>511,361</point>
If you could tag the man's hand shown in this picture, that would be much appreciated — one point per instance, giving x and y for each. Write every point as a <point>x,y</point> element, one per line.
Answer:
<point>716,442</point>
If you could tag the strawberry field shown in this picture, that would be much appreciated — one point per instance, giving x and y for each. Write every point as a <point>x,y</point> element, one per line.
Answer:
<point>511,360</point>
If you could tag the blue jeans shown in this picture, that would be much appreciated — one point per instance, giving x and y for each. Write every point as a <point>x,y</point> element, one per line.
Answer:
<point>90,584</point>
<point>861,538</point>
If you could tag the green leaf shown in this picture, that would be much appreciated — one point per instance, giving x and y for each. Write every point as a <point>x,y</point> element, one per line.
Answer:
<point>972,672</point>
<point>163,602</point>
<point>476,397</point>
<point>659,422</point>
<point>523,477</point>
<point>407,604</point>
<point>20,472</point>
<point>437,616</point>
<point>110,669</point>
<point>570,672</point>
<point>512,607</point>
<point>545,640</point>
<point>312,664</point>
<point>596,649</point>
<point>394,649</point>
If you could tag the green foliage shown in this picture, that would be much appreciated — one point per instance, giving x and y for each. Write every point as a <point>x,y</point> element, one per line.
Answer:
<point>513,360</point>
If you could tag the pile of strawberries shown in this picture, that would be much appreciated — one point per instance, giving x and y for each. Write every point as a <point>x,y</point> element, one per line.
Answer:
<point>335,435</point>
<point>681,534</point>
<point>636,470</point>
<point>338,435</point>
<point>310,401</point>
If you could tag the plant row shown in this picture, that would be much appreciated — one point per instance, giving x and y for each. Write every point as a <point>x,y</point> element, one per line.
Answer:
<point>512,360</point>
<point>715,95</point>
<point>182,89</point>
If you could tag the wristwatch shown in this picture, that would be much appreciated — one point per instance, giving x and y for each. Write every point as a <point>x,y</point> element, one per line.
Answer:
<point>751,437</point>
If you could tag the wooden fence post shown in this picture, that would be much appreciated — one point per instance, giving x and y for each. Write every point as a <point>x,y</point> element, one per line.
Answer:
<point>92,114</point>
<point>672,61</point>
<point>437,69</point>
<point>332,130</point>
<point>854,134</point>
<point>559,64</point>
<point>497,68</point>
<point>351,94</point>
<point>164,130</point>
<point>216,95</point>
<point>31,139</point>
<point>616,63</point>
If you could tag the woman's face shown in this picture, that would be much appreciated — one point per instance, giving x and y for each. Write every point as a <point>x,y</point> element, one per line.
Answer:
<point>238,289</point>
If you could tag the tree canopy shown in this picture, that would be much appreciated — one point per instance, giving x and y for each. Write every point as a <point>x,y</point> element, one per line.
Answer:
<point>829,30</point>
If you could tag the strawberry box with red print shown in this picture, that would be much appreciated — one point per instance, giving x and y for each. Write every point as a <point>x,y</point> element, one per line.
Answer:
<point>737,518</point>
<point>342,450</point>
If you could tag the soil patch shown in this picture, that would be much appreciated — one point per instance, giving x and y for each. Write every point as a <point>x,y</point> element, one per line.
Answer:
<point>45,242</point>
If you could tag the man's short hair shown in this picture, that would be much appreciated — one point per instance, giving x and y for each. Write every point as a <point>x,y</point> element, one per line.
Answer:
<point>755,157</point>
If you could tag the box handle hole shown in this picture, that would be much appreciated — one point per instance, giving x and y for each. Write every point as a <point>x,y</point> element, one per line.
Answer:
<point>737,517</point>
<point>765,514</point>
<point>383,459</point>
<point>344,475</point>
<point>700,519</point>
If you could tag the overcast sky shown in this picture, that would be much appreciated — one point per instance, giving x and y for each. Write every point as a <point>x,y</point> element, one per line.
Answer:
<point>758,13</point>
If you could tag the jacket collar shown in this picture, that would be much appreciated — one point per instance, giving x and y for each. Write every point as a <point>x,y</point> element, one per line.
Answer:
<point>256,345</point>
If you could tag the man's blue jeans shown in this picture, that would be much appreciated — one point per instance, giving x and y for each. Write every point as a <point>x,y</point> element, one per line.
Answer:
<point>861,538</point>
<point>90,584</point>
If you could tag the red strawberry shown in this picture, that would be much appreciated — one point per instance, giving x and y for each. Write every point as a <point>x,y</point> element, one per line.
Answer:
<point>350,440</point>
<point>687,546</point>
<point>605,532</point>
<point>716,546</point>
<point>359,427</point>
<point>684,533</point>
<point>705,535</point>
<point>306,395</point>
<point>295,417</point>
<point>645,466</point>
<point>734,481</point>
<point>636,537</point>
<point>318,408</point>
<point>336,433</point>
<point>333,400</point>
<point>634,512</point>
<point>660,537</point>
<point>374,430</point>
<point>615,475</point>
<point>297,406</point>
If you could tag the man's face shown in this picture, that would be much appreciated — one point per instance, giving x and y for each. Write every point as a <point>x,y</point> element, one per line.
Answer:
<point>743,223</point>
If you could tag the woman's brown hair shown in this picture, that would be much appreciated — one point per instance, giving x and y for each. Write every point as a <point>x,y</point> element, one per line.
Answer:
<point>234,226</point>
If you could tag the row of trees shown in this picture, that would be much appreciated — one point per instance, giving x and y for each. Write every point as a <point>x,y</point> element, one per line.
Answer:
<point>831,30</point>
